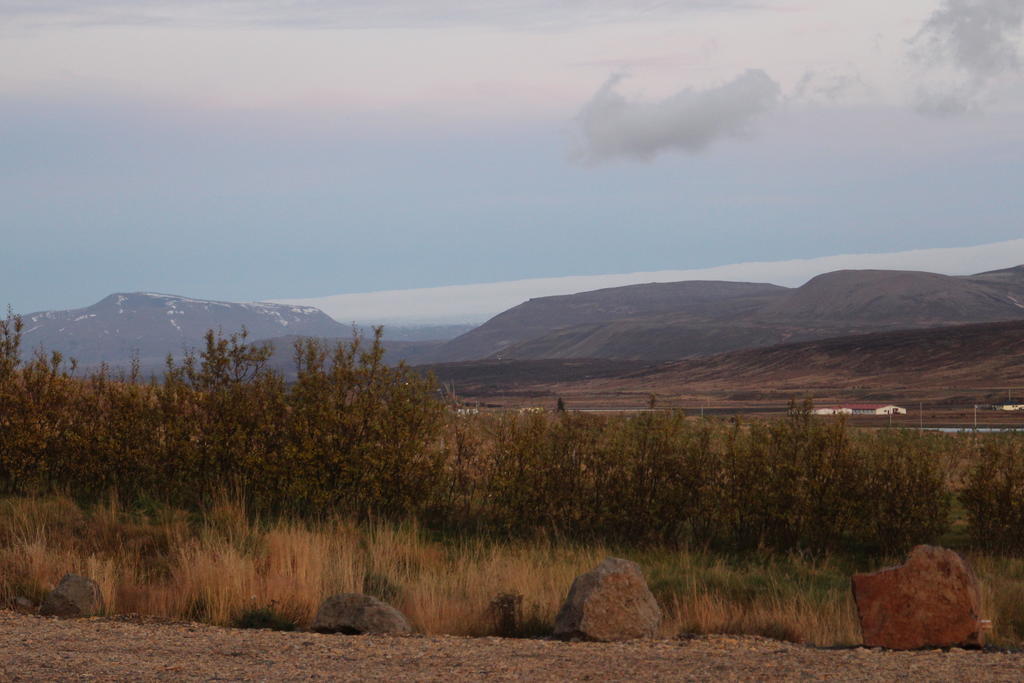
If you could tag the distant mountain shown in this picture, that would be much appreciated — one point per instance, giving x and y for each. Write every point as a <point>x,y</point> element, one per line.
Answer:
<point>681,320</point>
<point>902,298</point>
<point>154,325</point>
<point>587,311</point>
<point>650,323</point>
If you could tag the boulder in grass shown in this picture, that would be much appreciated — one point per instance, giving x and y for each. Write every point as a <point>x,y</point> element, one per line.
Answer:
<point>933,600</point>
<point>24,605</point>
<point>74,596</point>
<point>356,614</point>
<point>610,602</point>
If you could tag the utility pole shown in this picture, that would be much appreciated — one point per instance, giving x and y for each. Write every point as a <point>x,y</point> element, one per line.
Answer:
<point>920,416</point>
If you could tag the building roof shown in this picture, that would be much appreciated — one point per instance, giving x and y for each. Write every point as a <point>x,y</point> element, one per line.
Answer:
<point>859,406</point>
<point>868,406</point>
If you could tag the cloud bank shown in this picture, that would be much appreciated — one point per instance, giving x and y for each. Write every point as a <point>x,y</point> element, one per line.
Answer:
<point>979,39</point>
<point>476,303</point>
<point>354,13</point>
<point>611,126</point>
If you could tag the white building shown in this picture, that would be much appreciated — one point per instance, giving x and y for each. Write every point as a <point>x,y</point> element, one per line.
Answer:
<point>861,409</point>
<point>833,410</point>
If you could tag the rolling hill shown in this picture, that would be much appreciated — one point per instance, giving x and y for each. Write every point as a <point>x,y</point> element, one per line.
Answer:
<point>900,298</point>
<point>700,318</point>
<point>587,311</point>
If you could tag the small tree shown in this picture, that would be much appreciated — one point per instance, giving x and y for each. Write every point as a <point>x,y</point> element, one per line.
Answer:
<point>10,343</point>
<point>225,361</point>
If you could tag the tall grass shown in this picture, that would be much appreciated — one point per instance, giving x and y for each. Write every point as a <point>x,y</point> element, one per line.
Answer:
<point>221,565</point>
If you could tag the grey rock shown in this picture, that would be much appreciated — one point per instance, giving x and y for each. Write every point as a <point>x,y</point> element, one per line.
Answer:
<point>610,602</point>
<point>23,604</point>
<point>355,614</point>
<point>74,596</point>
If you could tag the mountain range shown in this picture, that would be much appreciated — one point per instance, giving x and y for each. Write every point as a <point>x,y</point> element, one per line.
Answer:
<point>657,322</point>
<point>646,323</point>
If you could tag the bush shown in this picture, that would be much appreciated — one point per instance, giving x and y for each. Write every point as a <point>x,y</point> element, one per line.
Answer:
<point>994,496</point>
<point>351,435</point>
<point>355,437</point>
<point>906,497</point>
<point>799,483</point>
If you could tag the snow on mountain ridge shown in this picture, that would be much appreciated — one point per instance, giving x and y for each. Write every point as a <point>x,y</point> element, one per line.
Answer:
<point>256,305</point>
<point>153,325</point>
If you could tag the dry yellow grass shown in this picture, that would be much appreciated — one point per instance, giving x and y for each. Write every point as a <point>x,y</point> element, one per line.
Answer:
<point>788,618</point>
<point>226,565</point>
<point>229,565</point>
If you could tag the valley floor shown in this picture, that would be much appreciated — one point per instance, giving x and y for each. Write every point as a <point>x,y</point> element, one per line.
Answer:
<point>36,648</point>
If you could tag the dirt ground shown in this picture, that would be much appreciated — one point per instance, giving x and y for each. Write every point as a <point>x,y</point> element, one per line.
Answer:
<point>36,648</point>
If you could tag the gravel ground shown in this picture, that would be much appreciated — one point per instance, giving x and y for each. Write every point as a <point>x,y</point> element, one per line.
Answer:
<point>37,648</point>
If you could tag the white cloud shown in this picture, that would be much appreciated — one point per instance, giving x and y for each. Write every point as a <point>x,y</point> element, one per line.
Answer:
<point>979,39</point>
<point>611,126</point>
<point>980,36</point>
<point>476,303</point>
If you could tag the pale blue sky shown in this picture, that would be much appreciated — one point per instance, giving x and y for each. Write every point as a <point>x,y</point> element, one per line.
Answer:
<point>236,150</point>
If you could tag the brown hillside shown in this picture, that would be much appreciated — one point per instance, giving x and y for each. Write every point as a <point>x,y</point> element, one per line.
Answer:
<point>987,354</point>
<point>537,317</point>
<point>688,319</point>
<point>978,356</point>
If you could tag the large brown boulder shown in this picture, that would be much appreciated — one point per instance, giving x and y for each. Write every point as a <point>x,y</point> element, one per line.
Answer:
<point>355,614</point>
<point>74,596</point>
<point>610,602</point>
<point>933,600</point>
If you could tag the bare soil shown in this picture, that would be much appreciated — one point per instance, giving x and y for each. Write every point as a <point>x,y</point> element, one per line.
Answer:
<point>36,648</point>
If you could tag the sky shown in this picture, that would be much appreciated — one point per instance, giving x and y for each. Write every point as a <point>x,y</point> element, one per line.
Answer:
<point>262,149</point>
